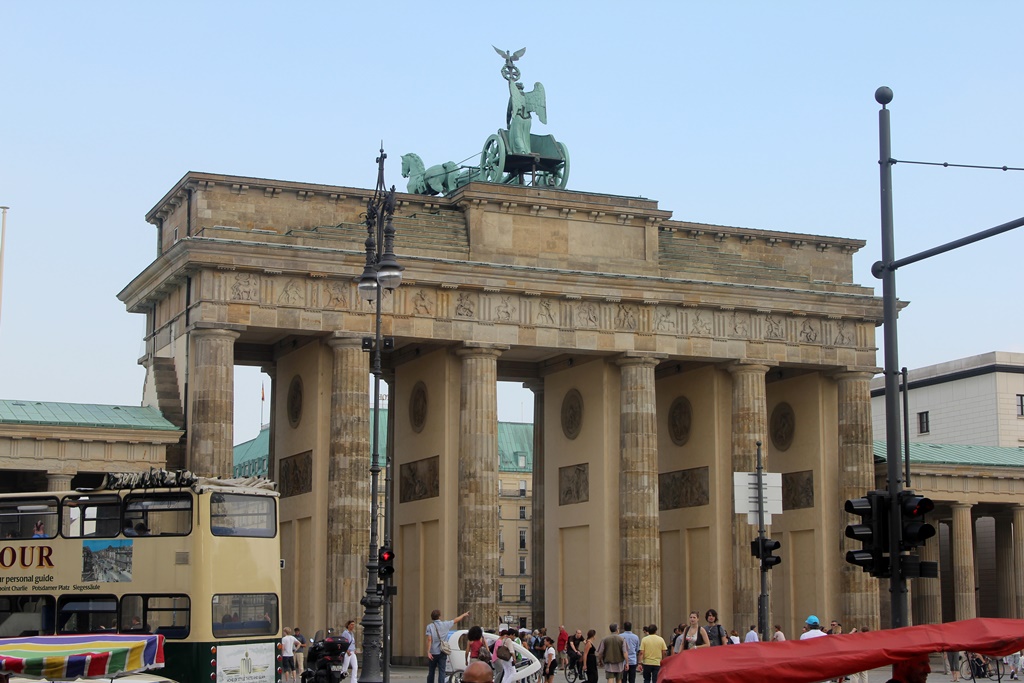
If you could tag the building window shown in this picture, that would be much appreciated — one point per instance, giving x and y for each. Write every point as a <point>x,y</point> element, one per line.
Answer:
<point>499,512</point>
<point>501,592</point>
<point>922,423</point>
<point>1020,405</point>
<point>522,512</point>
<point>522,592</point>
<point>499,487</point>
<point>522,539</point>
<point>522,488</point>
<point>522,460</point>
<point>522,622</point>
<point>522,564</point>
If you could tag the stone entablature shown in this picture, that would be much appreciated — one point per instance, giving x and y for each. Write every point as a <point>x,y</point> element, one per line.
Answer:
<point>513,226</point>
<point>574,270</point>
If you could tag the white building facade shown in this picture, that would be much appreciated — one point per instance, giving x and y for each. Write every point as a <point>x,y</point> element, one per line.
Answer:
<point>977,400</point>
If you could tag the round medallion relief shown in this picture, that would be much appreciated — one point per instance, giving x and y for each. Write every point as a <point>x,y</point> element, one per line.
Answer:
<point>572,414</point>
<point>680,418</point>
<point>294,403</point>
<point>418,407</point>
<point>782,425</point>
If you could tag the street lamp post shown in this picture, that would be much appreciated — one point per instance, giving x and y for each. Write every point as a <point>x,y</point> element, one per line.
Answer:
<point>382,272</point>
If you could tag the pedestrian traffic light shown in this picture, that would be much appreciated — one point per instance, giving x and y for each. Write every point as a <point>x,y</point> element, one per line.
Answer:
<point>764,549</point>
<point>872,532</point>
<point>916,530</point>
<point>385,562</point>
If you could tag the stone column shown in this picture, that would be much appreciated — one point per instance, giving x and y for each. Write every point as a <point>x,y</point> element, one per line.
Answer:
<point>963,562</point>
<point>639,541</point>
<point>57,481</point>
<point>749,425</point>
<point>537,516</point>
<point>271,372</point>
<point>212,388</point>
<point>858,591</point>
<point>477,549</point>
<point>348,481</point>
<point>926,593</point>
<point>1005,580</point>
<point>1018,511</point>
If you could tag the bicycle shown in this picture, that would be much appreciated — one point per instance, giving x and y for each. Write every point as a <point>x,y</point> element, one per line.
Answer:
<point>572,670</point>
<point>975,666</point>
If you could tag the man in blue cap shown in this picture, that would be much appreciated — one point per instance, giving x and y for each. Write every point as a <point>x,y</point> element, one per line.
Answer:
<point>812,628</point>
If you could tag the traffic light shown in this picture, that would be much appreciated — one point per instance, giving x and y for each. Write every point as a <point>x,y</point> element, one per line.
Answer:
<point>872,532</point>
<point>764,549</point>
<point>913,508</point>
<point>385,562</point>
<point>915,531</point>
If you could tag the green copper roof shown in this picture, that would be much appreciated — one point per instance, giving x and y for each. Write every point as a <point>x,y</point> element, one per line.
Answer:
<point>83,415</point>
<point>514,439</point>
<point>958,454</point>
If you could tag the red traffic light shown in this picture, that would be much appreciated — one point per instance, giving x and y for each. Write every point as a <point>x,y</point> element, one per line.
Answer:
<point>387,555</point>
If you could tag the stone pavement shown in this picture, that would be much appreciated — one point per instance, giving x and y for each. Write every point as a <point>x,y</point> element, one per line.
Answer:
<point>412,674</point>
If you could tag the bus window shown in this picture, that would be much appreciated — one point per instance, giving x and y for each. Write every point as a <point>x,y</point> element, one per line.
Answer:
<point>28,517</point>
<point>236,514</point>
<point>168,615</point>
<point>244,614</point>
<point>26,615</point>
<point>86,613</point>
<point>91,516</point>
<point>162,514</point>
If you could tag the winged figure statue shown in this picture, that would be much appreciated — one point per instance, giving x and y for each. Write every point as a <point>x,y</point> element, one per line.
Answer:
<point>520,105</point>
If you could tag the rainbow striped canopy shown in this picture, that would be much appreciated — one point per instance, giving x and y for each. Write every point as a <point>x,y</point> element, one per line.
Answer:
<point>70,657</point>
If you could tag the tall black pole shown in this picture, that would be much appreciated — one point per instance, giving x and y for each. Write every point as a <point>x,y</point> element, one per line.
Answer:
<point>883,269</point>
<point>381,272</point>
<point>762,599</point>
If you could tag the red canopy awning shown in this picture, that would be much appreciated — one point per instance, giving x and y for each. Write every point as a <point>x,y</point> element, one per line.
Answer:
<point>829,657</point>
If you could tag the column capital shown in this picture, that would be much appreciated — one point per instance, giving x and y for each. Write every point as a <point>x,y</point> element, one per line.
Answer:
<point>852,374</point>
<point>740,367</point>
<point>639,358</point>
<point>535,385</point>
<point>345,340</point>
<point>480,350</point>
<point>205,329</point>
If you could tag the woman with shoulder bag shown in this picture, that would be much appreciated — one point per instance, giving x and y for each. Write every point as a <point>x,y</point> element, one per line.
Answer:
<point>695,636</point>
<point>476,646</point>
<point>717,634</point>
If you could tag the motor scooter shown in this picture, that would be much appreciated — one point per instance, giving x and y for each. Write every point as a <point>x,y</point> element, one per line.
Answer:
<point>325,662</point>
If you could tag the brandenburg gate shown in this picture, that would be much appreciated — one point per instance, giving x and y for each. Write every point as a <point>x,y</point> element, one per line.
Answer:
<point>659,352</point>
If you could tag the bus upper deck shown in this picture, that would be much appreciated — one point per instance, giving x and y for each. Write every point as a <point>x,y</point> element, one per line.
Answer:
<point>196,560</point>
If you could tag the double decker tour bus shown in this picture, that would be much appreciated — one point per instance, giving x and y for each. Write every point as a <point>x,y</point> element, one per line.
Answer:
<point>196,560</point>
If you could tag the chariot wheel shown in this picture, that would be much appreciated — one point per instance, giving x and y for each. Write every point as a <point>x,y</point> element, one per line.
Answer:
<point>560,176</point>
<point>492,159</point>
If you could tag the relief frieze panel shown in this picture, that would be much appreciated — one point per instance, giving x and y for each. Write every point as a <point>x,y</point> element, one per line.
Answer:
<point>271,289</point>
<point>683,489</point>
<point>246,287</point>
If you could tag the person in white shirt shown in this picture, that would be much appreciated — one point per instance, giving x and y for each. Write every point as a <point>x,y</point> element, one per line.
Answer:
<point>288,647</point>
<point>813,627</point>
<point>778,636</point>
<point>751,636</point>
<point>351,662</point>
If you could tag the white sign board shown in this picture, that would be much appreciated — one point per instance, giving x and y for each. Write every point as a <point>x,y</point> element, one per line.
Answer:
<point>253,663</point>
<point>746,495</point>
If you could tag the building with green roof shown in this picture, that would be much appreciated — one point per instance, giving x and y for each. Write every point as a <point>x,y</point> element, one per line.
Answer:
<point>44,445</point>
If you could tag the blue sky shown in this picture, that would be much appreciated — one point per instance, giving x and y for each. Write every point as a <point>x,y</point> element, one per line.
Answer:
<point>735,113</point>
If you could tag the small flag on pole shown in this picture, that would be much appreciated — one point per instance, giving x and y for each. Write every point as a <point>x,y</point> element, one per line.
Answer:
<point>263,393</point>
